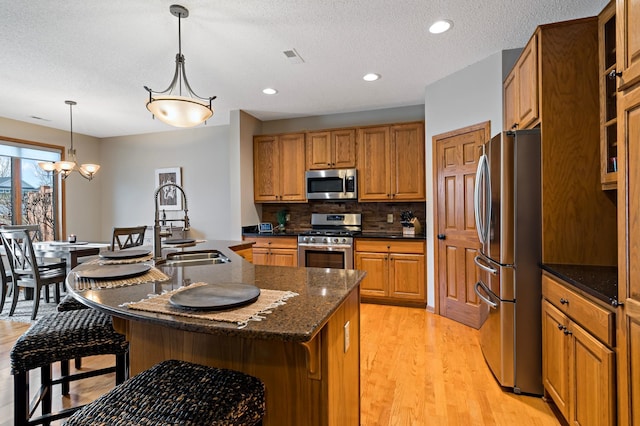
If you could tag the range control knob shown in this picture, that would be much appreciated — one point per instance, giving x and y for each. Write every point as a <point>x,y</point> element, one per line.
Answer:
<point>335,240</point>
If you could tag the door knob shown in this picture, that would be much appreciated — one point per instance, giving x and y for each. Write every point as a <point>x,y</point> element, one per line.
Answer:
<point>442,237</point>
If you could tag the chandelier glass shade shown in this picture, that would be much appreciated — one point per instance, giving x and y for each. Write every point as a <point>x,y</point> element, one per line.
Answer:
<point>171,105</point>
<point>65,167</point>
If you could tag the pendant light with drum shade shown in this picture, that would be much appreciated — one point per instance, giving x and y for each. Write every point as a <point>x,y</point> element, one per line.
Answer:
<point>64,168</point>
<point>171,105</point>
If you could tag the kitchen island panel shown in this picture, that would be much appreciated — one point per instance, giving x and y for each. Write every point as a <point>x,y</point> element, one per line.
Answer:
<point>310,383</point>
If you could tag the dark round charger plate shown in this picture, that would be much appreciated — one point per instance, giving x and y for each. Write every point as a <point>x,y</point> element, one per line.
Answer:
<point>215,297</point>
<point>179,241</point>
<point>113,272</point>
<point>124,254</point>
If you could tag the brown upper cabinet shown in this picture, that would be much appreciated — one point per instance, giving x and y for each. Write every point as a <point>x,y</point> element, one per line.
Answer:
<point>334,149</point>
<point>278,168</point>
<point>391,163</point>
<point>608,97</point>
<point>628,17</point>
<point>521,90</point>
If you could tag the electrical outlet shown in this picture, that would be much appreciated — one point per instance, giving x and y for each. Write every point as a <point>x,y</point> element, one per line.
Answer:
<point>287,217</point>
<point>390,218</point>
<point>346,337</point>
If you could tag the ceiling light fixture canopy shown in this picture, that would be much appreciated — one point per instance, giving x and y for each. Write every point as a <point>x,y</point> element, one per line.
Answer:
<point>170,105</point>
<point>64,168</point>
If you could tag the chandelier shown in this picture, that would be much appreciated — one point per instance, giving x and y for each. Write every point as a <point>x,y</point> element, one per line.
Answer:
<point>170,105</point>
<point>64,168</point>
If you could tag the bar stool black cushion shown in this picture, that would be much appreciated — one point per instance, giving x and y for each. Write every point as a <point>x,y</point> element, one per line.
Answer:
<point>62,336</point>
<point>178,393</point>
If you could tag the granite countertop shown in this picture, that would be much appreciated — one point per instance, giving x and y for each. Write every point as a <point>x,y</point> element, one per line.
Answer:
<point>321,291</point>
<point>600,282</point>
<point>364,234</point>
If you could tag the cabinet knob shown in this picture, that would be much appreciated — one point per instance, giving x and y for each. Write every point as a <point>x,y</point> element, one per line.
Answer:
<point>561,327</point>
<point>567,332</point>
<point>564,301</point>
<point>613,74</point>
<point>515,126</point>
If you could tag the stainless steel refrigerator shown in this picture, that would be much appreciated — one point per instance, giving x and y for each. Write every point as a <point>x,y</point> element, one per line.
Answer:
<point>508,219</point>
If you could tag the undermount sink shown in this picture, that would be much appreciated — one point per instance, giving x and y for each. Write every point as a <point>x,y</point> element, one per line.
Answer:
<point>194,258</point>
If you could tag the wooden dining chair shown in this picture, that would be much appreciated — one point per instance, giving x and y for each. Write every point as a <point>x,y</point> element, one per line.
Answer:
<point>30,272</point>
<point>128,237</point>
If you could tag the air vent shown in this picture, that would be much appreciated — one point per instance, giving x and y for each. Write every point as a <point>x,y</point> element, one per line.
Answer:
<point>293,56</point>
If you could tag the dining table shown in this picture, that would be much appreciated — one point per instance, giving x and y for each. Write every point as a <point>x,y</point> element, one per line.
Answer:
<point>71,252</point>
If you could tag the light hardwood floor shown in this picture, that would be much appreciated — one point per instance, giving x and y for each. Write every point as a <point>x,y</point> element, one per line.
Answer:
<point>417,368</point>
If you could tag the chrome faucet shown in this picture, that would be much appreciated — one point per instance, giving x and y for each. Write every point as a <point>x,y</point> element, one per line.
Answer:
<point>157,246</point>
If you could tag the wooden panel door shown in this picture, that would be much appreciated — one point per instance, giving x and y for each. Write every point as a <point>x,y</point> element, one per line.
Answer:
<point>406,277</point>
<point>292,165</point>
<point>266,168</point>
<point>319,150</point>
<point>343,149</point>
<point>592,380</point>
<point>260,256</point>
<point>456,157</point>
<point>628,315</point>
<point>374,164</point>
<point>377,267</point>
<point>527,76</point>
<point>628,42</point>
<point>555,357</point>
<point>407,162</point>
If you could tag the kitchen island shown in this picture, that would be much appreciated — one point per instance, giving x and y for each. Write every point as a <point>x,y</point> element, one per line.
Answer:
<point>306,351</point>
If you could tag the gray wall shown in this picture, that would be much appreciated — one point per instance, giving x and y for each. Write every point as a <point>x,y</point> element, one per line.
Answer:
<point>469,96</point>
<point>128,179</point>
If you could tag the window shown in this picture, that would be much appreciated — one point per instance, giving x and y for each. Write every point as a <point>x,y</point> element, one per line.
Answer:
<point>28,194</point>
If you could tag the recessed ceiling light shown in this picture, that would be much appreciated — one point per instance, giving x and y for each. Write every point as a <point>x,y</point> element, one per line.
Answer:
<point>371,77</point>
<point>269,91</point>
<point>441,26</point>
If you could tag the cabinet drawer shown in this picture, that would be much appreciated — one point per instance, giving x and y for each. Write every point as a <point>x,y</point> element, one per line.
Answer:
<point>274,242</point>
<point>597,320</point>
<point>389,246</point>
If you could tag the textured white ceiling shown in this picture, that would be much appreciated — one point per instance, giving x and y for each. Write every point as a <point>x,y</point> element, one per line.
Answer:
<point>102,53</point>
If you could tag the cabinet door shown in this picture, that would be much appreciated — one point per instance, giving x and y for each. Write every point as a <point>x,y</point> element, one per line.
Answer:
<point>406,277</point>
<point>592,380</point>
<point>407,162</point>
<point>510,101</point>
<point>344,149</point>
<point>283,257</point>
<point>266,168</point>
<point>292,165</point>
<point>608,97</point>
<point>527,75</point>
<point>555,357</point>
<point>376,265</point>
<point>629,205</point>
<point>628,43</point>
<point>260,256</point>
<point>319,151</point>
<point>374,164</point>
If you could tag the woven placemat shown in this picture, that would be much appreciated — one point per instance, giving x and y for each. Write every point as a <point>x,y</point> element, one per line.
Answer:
<point>153,274</point>
<point>256,311</point>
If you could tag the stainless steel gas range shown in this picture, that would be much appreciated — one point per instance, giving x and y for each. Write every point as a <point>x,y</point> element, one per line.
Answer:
<point>329,243</point>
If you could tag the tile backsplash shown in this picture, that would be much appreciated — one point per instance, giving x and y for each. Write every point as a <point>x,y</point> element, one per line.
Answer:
<point>374,215</point>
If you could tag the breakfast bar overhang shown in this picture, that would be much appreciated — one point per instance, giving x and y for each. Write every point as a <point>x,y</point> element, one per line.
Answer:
<point>306,351</point>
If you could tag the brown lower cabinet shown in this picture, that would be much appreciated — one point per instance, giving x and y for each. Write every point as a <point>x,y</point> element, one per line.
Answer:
<point>395,271</point>
<point>578,360</point>
<point>274,251</point>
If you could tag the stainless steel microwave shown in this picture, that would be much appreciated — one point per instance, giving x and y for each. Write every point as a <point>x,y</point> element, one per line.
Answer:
<point>333,184</point>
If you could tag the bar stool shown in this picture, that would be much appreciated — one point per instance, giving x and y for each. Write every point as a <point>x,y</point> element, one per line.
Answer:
<point>61,336</point>
<point>178,393</point>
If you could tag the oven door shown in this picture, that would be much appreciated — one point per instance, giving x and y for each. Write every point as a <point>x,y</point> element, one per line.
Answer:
<point>318,256</point>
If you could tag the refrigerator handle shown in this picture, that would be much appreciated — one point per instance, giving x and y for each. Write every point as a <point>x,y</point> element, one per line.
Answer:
<point>479,260</point>
<point>482,221</point>
<point>482,297</point>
